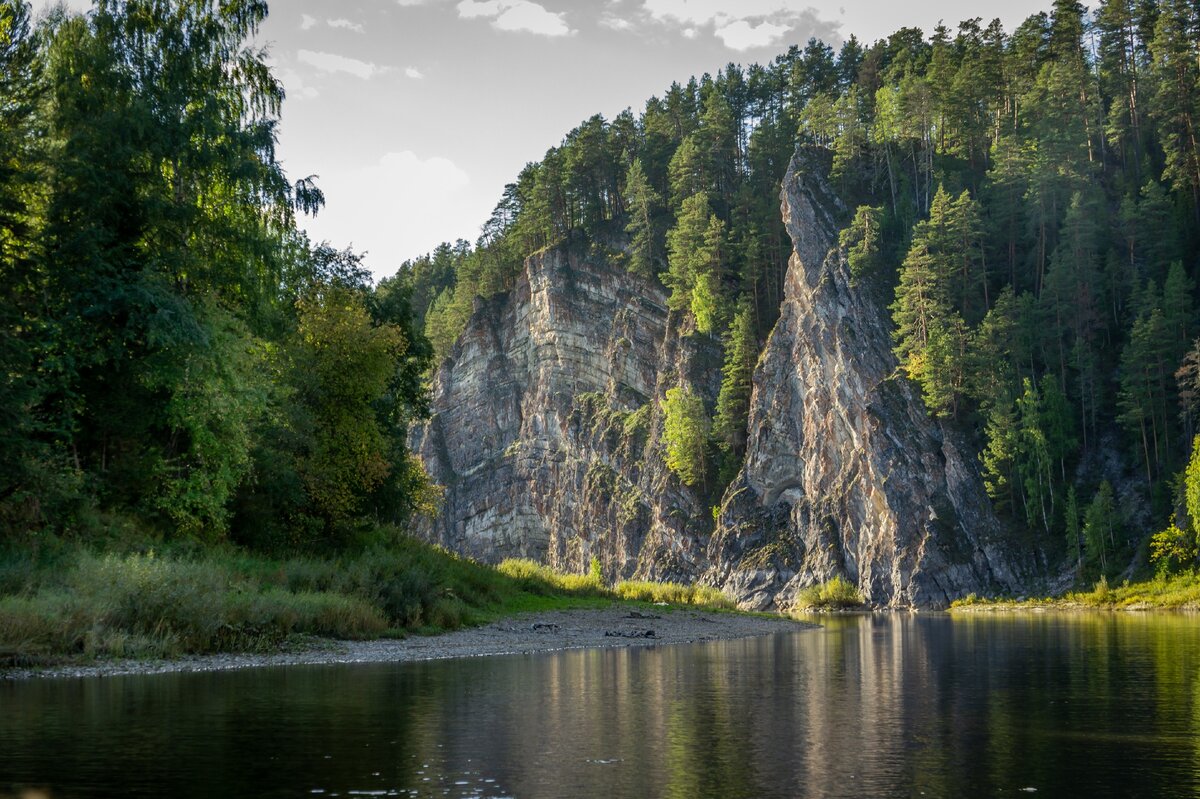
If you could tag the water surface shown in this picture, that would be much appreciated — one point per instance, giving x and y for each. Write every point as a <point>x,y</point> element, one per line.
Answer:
<point>889,705</point>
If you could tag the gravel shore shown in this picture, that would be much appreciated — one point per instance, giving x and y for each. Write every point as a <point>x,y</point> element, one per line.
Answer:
<point>525,634</point>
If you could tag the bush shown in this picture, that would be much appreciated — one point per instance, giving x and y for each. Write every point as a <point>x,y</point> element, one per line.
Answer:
<point>544,581</point>
<point>837,594</point>
<point>673,593</point>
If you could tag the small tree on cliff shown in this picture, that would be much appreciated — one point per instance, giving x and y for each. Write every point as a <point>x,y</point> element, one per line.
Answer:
<point>685,430</point>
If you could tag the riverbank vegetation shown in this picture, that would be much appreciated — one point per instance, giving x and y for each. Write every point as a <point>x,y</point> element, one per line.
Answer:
<point>71,602</point>
<point>837,594</point>
<point>1166,592</point>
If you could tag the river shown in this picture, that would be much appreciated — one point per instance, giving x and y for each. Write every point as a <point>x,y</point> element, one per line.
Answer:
<point>885,705</point>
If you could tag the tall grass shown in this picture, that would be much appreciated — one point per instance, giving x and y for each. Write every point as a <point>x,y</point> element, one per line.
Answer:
<point>837,594</point>
<point>76,603</point>
<point>1174,592</point>
<point>673,594</point>
<point>1177,591</point>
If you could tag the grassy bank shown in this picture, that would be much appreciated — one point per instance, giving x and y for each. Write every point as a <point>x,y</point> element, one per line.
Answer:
<point>72,603</point>
<point>1178,592</point>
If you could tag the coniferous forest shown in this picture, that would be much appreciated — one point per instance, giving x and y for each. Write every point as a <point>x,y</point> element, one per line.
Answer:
<point>179,356</point>
<point>1026,205</point>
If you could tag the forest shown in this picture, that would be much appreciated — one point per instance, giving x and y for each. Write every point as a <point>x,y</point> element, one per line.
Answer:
<point>1024,204</point>
<point>180,357</point>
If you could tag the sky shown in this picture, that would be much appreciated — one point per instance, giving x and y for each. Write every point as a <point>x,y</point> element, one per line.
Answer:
<point>414,114</point>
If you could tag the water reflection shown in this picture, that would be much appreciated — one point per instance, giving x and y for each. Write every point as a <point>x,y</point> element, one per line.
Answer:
<point>899,705</point>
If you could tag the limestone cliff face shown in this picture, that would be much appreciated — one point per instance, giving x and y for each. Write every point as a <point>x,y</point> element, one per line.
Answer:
<point>845,474</point>
<point>546,427</point>
<point>546,423</point>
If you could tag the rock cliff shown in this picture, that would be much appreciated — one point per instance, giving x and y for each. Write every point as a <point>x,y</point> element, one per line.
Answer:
<point>845,473</point>
<point>546,427</point>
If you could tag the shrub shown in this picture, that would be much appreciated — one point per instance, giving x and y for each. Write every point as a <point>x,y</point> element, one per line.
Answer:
<point>837,594</point>
<point>673,593</point>
<point>542,580</point>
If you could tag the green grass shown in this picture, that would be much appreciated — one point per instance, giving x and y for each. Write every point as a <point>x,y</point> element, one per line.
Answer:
<point>837,594</point>
<point>673,594</point>
<point>65,602</point>
<point>1177,592</point>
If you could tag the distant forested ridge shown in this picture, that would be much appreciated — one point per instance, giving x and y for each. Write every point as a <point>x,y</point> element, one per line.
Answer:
<point>1026,204</point>
<point>177,356</point>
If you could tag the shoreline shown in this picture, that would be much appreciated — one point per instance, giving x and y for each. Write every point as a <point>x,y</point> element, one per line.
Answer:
<point>524,634</point>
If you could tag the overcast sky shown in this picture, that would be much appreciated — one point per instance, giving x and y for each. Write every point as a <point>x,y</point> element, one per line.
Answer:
<point>415,113</point>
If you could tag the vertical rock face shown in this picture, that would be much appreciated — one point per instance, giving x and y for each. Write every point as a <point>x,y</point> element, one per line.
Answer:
<point>546,435</point>
<point>546,423</point>
<point>845,474</point>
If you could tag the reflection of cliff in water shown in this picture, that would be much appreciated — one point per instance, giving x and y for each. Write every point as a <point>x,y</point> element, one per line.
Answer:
<point>870,706</point>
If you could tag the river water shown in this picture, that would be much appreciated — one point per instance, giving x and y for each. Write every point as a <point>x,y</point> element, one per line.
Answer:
<point>1054,705</point>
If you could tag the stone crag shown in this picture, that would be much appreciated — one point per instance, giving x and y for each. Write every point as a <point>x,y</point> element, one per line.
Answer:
<point>545,428</point>
<point>546,435</point>
<point>845,473</point>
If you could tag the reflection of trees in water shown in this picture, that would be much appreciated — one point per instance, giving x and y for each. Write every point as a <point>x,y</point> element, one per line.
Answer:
<point>879,705</point>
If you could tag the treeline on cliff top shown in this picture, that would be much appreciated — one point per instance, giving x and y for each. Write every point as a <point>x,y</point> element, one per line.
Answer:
<point>178,355</point>
<point>1026,205</point>
<point>178,358</point>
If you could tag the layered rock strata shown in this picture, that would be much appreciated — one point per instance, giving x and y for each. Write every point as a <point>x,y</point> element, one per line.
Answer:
<point>547,424</point>
<point>845,474</point>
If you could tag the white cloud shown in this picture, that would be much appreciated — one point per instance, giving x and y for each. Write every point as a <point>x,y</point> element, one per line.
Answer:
<point>741,35</point>
<point>307,22</point>
<point>615,23</point>
<point>745,25</point>
<point>294,85</point>
<point>414,73</point>
<point>331,62</point>
<point>345,24</point>
<point>397,208</point>
<point>515,15</point>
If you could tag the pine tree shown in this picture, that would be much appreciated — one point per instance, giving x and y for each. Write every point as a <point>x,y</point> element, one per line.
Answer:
<point>862,241</point>
<point>706,286</point>
<point>1000,455</point>
<point>684,242</point>
<point>1100,525</point>
<point>643,202</point>
<point>1176,105</point>
<point>733,401</point>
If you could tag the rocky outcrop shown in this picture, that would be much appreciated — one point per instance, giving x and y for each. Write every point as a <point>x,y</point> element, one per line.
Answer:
<point>845,473</point>
<point>546,423</point>
<point>546,427</point>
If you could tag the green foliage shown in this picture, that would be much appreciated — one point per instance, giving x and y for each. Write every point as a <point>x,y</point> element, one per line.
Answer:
<point>673,594</point>
<point>1043,187</point>
<point>342,364</point>
<point>79,604</point>
<point>836,594</point>
<point>642,201</point>
<point>177,353</point>
<point>538,579</point>
<point>1172,550</point>
<point>1101,528</point>
<point>733,401</point>
<point>686,428</point>
<point>1180,591</point>
<point>862,241</point>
